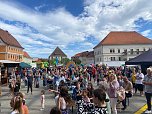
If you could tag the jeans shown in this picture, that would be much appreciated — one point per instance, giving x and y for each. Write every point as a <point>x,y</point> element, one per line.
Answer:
<point>29,86</point>
<point>113,105</point>
<point>148,98</point>
<point>25,82</point>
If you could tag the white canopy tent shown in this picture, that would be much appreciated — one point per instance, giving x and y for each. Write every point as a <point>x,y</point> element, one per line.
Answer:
<point>113,63</point>
<point>8,61</point>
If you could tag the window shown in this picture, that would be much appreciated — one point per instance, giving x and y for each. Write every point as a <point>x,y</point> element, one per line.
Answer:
<point>112,58</point>
<point>144,49</point>
<point>118,50</point>
<point>119,58</point>
<point>112,50</point>
<point>131,51</point>
<point>98,52</point>
<point>125,50</point>
<point>137,51</point>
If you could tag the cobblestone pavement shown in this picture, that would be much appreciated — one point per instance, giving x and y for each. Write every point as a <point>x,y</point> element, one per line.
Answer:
<point>33,102</point>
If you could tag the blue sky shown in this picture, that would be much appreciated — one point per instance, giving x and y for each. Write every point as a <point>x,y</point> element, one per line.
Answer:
<point>73,25</point>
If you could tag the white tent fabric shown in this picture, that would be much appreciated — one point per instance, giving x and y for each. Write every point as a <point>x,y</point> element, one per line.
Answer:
<point>114,63</point>
<point>8,61</point>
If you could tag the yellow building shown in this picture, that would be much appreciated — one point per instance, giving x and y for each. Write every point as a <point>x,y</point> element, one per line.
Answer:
<point>10,49</point>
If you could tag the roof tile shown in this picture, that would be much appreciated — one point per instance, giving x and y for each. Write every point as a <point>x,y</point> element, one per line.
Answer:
<point>58,52</point>
<point>124,38</point>
<point>26,55</point>
<point>9,39</point>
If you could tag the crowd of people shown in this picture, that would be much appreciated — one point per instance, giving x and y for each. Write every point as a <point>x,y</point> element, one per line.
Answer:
<point>93,89</point>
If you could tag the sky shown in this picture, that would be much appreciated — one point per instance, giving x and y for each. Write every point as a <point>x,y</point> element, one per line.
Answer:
<point>73,25</point>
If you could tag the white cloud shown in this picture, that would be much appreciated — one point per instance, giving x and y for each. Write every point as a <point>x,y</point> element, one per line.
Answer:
<point>61,28</point>
<point>146,32</point>
<point>39,7</point>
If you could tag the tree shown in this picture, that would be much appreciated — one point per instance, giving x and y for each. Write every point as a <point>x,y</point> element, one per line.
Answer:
<point>77,61</point>
<point>65,60</point>
<point>53,62</point>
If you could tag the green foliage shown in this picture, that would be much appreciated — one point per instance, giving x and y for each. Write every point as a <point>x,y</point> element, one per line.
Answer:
<point>53,62</point>
<point>46,64</point>
<point>77,61</point>
<point>65,61</point>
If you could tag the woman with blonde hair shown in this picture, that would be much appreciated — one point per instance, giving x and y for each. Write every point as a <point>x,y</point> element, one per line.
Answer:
<point>133,78</point>
<point>112,91</point>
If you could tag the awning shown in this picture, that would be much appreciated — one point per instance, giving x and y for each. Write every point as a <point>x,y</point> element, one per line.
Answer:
<point>114,63</point>
<point>24,65</point>
<point>8,61</point>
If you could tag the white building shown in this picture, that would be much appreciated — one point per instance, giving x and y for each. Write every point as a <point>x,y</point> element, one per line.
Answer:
<point>86,57</point>
<point>26,58</point>
<point>118,47</point>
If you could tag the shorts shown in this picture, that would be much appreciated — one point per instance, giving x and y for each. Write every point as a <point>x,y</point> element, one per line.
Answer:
<point>140,87</point>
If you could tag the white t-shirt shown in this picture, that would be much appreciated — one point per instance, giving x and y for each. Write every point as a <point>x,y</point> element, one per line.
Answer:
<point>15,112</point>
<point>138,76</point>
<point>42,98</point>
<point>63,104</point>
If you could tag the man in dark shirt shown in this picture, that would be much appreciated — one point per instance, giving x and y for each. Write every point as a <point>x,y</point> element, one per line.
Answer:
<point>29,80</point>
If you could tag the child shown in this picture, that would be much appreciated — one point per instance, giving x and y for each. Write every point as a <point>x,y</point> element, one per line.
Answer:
<point>42,99</point>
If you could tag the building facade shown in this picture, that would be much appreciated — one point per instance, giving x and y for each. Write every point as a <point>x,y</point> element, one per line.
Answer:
<point>57,53</point>
<point>86,57</point>
<point>10,49</point>
<point>121,46</point>
<point>27,59</point>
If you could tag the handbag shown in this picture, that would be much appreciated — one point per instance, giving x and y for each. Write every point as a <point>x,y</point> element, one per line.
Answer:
<point>121,93</point>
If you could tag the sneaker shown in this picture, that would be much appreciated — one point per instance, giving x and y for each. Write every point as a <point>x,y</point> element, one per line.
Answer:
<point>42,109</point>
<point>148,112</point>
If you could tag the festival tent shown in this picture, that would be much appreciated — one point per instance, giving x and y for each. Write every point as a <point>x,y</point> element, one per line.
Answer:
<point>24,65</point>
<point>145,60</point>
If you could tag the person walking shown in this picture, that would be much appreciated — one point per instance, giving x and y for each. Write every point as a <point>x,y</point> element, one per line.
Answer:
<point>29,81</point>
<point>148,89</point>
<point>127,85</point>
<point>139,85</point>
<point>112,92</point>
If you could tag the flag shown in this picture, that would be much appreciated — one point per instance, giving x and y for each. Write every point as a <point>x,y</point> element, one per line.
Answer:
<point>56,60</point>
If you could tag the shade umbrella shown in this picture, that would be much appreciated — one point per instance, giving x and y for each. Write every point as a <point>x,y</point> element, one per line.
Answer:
<point>24,65</point>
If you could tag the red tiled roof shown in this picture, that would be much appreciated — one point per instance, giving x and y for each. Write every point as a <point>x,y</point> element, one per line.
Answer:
<point>124,38</point>
<point>7,38</point>
<point>90,54</point>
<point>26,55</point>
<point>58,52</point>
<point>84,54</point>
